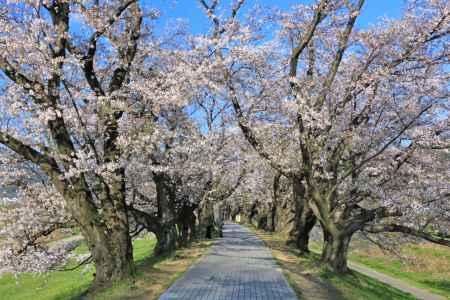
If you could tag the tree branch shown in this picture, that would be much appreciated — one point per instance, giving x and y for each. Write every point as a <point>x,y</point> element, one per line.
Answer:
<point>44,161</point>
<point>35,88</point>
<point>128,52</point>
<point>343,43</point>
<point>88,58</point>
<point>250,135</point>
<point>297,51</point>
<point>441,239</point>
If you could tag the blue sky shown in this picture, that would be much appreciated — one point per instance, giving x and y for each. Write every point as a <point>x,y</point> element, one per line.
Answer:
<point>190,10</point>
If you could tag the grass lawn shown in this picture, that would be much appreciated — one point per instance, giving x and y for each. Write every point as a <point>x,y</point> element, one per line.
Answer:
<point>425,265</point>
<point>154,275</point>
<point>310,280</point>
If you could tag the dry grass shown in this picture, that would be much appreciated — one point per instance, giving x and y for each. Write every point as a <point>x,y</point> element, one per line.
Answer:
<point>159,276</point>
<point>428,261</point>
<point>156,274</point>
<point>305,281</point>
<point>310,280</point>
<point>424,265</point>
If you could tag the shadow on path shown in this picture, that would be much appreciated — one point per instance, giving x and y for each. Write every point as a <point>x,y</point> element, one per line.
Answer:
<point>238,267</point>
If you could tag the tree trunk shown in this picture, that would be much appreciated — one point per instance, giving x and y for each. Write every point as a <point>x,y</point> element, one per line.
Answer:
<point>166,234</point>
<point>335,251</point>
<point>209,230</point>
<point>299,235</point>
<point>186,224</point>
<point>305,224</point>
<point>304,219</point>
<point>272,217</point>
<point>107,236</point>
<point>113,257</point>
<point>193,228</point>
<point>166,239</point>
<point>261,222</point>
<point>183,234</point>
<point>252,213</point>
<point>206,217</point>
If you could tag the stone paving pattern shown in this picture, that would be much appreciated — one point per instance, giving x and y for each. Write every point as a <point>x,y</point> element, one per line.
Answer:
<point>238,267</point>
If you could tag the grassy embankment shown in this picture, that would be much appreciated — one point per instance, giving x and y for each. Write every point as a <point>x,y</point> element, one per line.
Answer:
<point>310,280</point>
<point>154,275</point>
<point>422,265</point>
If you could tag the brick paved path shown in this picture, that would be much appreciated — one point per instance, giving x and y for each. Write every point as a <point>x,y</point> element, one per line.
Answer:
<point>237,267</point>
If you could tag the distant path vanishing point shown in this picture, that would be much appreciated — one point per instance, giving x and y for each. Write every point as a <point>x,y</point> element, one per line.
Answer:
<point>238,267</point>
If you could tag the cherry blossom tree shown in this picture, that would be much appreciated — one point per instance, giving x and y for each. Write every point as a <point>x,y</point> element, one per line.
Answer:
<point>347,113</point>
<point>114,127</point>
<point>100,113</point>
<point>67,69</point>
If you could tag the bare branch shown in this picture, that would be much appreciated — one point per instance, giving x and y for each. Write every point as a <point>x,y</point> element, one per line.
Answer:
<point>88,58</point>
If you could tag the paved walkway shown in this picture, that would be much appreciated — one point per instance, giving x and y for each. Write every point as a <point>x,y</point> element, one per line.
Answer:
<point>238,267</point>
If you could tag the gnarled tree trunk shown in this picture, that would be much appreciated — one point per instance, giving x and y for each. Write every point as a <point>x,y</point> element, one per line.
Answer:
<point>107,236</point>
<point>335,250</point>
<point>112,254</point>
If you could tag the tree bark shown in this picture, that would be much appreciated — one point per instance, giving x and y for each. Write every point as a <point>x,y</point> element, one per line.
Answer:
<point>186,224</point>
<point>167,232</point>
<point>113,257</point>
<point>335,251</point>
<point>272,217</point>
<point>166,239</point>
<point>304,218</point>
<point>209,230</point>
<point>107,236</point>
<point>261,221</point>
<point>305,224</point>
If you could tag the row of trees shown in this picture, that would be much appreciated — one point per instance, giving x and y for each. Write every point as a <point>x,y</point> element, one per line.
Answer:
<point>112,125</point>
<point>98,134</point>
<point>360,121</point>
